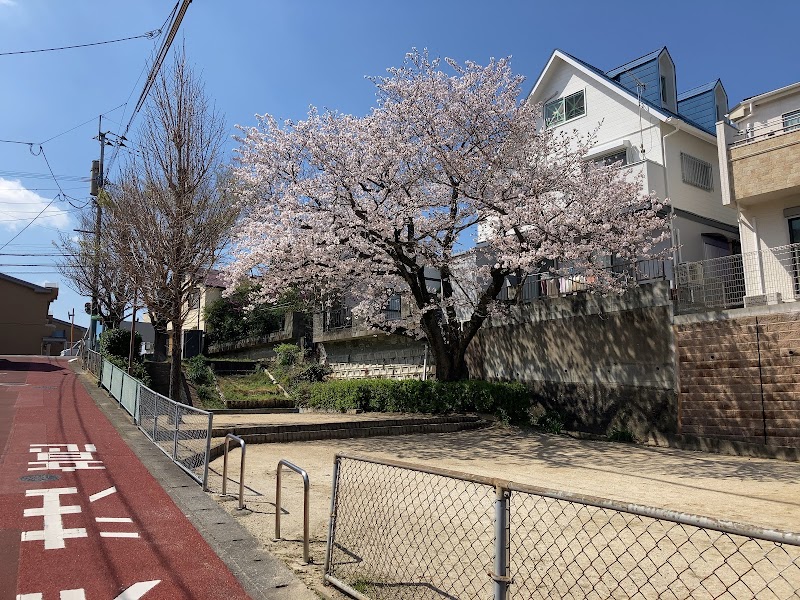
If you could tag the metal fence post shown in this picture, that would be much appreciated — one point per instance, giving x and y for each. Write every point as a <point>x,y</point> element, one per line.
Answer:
<point>155,421</point>
<point>175,438</point>
<point>136,402</point>
<point>208,452</point>
<point>332,521</point>
<point>501,543</point>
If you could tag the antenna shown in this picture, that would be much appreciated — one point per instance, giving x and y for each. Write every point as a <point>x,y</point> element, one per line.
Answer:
<point>640,87</point>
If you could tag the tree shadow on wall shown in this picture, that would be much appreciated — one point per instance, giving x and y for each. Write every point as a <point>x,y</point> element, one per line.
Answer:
<point>601,363</point>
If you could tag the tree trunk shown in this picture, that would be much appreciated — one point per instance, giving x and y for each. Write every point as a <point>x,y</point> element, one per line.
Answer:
<point>448,348</point>
<point>175,367</point>
<point>160,341</point>
<point>451,364</point>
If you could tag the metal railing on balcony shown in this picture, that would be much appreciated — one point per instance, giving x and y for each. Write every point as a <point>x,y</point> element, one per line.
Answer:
<point>338,318</point>
<point>547,285</point>
<point>786,123</point>
<point>342,318</point>
<point>770,276</point>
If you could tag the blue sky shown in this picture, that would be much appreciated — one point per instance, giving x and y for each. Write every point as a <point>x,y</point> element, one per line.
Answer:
<point>281,56</point>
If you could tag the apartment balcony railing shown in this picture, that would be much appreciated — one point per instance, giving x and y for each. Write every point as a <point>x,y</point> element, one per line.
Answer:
<point>778,126</point>
<point>338,318</point>
<point>546,285</point>
<point>770,276</point>
<point>342,318</point>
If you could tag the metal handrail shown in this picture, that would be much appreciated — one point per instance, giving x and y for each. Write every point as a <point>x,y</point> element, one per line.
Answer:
<point>242,443</point>
<point>304,475</point>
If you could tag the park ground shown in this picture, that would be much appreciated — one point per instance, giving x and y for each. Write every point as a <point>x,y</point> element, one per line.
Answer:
<point>761,492</point>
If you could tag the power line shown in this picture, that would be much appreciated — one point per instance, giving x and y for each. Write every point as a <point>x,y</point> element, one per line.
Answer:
<point>156,61</point>
<point>82,187</point>
<point>21,231</point>
<point>28,175</point>
<point>82,124</point>
<point>147,34</point>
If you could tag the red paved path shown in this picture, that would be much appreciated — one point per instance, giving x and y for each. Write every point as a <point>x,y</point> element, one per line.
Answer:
<point>43,402</point>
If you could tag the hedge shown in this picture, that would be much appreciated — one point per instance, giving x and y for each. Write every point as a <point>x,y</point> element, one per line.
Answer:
<point>509,401</point>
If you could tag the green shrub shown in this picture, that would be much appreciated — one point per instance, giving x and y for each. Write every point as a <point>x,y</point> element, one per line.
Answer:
<point>197,371</point>
<point>137,368</point>
<point>621,434</point>
<point>312,373</point>
<point>509,401</point>
<point>288,354</point>
<point>551,422</point>
<point>117,342</point>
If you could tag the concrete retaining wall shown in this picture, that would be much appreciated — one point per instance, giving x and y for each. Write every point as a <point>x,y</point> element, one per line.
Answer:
<point>602,363</point>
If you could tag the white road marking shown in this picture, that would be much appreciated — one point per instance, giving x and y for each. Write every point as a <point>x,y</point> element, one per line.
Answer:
<point>113,520</point>
<point>137,590</point>
<point>103,494</point>
<point>53,533</point>
<point>119,534</point>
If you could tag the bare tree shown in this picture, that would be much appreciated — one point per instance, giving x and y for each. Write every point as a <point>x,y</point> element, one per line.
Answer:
<point>77,265</point>
<point>170,217</point>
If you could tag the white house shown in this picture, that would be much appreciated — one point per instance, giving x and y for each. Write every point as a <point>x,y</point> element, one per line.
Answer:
<point>639,118</point>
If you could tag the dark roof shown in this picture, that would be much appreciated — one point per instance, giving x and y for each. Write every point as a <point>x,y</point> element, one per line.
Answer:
<point>215,278</point>
<point>67,324</point>
<point>635,63</point>
<point>661,109</point>
<point>696,91</point>
<point>36,288</point>
<point>144,329</point>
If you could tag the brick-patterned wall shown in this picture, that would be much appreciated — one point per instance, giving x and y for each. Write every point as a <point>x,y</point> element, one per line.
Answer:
<point>740,379</point>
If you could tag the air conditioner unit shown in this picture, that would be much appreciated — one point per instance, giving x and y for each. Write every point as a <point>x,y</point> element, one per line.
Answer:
<point>769,299</point>
<point>694,272</point>
<point>757,300</point>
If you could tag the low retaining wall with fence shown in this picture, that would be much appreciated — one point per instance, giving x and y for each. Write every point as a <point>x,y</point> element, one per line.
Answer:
<point>182,432</point>
<point>405,531</point>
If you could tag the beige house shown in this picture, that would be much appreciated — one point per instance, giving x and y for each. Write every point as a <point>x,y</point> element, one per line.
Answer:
<point>25,324</point>
<point>203,295</point>
<point>759,153</point>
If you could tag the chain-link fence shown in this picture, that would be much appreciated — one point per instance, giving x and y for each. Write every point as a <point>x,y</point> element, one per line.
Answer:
<point>406,531</point>
<point>181,431</point>
<point>769,276</point>
<point>92,362</point>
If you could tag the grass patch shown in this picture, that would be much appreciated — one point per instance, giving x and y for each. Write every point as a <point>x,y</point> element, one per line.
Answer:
<point>256,387</point>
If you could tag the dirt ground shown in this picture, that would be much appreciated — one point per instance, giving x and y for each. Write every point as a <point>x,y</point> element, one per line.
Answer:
<point>749,490</point>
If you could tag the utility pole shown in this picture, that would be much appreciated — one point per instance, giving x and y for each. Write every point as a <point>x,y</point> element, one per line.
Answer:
<point>71,316</point>
<point>97,187</point>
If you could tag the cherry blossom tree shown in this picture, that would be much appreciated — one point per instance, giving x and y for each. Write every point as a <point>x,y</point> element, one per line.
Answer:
<point>366,207</point>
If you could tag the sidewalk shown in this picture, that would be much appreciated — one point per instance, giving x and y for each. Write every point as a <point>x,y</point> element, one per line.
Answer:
<point>81,518</point>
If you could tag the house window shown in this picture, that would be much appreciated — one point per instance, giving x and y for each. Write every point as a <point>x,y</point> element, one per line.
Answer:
<point>564,109</point>
<point>791,120</point>
<point>663,90</point>
<point>193,299</point>
<point>696,172</point>
<point>620,156</point>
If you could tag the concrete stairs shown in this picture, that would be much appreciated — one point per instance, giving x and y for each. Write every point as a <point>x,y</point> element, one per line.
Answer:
<point>301,432</point>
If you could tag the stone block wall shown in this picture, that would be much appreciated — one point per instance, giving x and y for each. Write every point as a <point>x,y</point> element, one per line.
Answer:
<point>376,355</point>
<point>739,378</point>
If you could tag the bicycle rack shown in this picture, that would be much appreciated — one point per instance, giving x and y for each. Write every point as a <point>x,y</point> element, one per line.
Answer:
<point>241,442</point>
<point>304,475</point>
